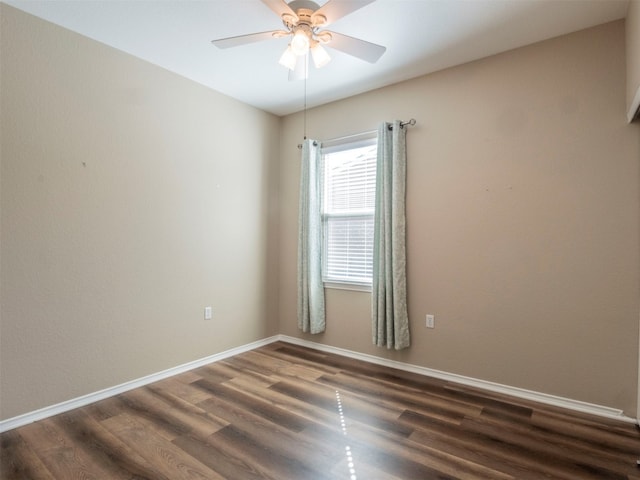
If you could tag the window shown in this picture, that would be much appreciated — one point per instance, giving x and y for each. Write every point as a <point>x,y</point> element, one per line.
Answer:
<point>348,199</point>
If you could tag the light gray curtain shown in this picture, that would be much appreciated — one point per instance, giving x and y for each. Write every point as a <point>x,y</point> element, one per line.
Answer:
<point>390,322</point>
<point>311,317</point>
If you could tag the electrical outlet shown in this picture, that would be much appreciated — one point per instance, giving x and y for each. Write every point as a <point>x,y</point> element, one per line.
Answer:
<point>431,321</point>
<point>208,313</point>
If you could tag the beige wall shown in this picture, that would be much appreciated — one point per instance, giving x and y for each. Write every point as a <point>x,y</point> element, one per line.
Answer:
<point>131,199</point>
<point>632,25</point>
<point>522,206</point>
<point>633,57</point>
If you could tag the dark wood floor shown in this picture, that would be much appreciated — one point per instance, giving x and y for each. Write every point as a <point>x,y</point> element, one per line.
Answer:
<point>286,412</point>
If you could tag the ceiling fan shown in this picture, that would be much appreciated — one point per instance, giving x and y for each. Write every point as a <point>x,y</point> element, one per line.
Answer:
<point>304,21</point>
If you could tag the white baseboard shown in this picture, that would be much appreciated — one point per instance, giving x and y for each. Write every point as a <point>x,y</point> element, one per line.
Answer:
<point>62,407</point>
<point>554,400</point>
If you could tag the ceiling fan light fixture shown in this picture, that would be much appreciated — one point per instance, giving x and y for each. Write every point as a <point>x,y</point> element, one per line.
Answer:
<point>300,42</point>
<point>288,59</point>
<point>320,56</point>
<point>324,37</point>
<point>280,34</point>
<point>289,19</point>
<point>303,20</point>
<point>318,20</point>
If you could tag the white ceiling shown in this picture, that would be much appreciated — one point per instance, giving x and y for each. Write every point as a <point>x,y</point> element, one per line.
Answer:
<point>421,36</point>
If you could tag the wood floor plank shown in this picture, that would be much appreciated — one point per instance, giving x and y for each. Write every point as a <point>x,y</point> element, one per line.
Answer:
<point>268,411</point>
<point>237,369</point>
<point>104,409</point>
<point>446,408</point>
<point>489,400</point>
<point>444,440</point>
<point>530,451</point>
<point>60,454</point>
<point>223,459</point>
<point>168,460</point>
<point>250,378</point>
<point>620,438</point>
<point>215,373</point>
<point>377,415</point>
<point>104,448</point>
<point>152,411</point>
<point>181,387</point>
<point>554,437</point>
<point>301,355</point>
<point>313,447</point>
<point>256,363</point>
<point>281,462</point>
<point>302,371</point>
<point>412,460</point>
<point>283,401</point>
<point>288,412</point>
<point>18,461</point>
<point>512,452</point>
<point>317,452</point>
<point>200,423</point>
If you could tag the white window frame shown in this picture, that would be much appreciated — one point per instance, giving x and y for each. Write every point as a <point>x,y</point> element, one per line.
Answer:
<point>329,147</point>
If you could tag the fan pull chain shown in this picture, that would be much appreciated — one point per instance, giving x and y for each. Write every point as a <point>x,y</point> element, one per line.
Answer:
<point>304,111</point>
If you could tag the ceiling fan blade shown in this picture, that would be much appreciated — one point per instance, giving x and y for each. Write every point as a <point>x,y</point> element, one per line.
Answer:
<point>336,9</point>
<point>280,8</point>
<point>243,39</point>
<point>367,51</point>
<point>302,69</point>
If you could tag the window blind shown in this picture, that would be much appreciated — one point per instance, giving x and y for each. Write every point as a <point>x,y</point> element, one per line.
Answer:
<point>348,207</point>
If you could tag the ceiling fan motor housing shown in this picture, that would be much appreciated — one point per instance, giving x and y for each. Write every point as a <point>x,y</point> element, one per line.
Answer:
<point>296,5</point>
<point>305,16</point>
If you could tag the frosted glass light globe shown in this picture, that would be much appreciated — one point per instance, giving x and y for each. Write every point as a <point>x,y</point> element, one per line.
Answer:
<point>300,43</point>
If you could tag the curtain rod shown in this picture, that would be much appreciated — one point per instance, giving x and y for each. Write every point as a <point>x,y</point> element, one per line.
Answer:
<point>410,122</point>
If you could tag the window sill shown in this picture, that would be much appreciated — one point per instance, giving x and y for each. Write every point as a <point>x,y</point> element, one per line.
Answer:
<point>358,287</point>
